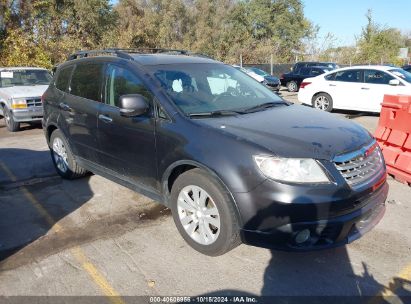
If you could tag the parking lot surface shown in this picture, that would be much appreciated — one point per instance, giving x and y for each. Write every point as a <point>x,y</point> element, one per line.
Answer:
<point>93,237</point>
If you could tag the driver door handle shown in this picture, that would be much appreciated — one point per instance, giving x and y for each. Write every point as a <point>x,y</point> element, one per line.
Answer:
<point>105,118</point>
<point>332,85</point>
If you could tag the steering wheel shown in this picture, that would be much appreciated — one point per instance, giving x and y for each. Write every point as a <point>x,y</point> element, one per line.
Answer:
<point>219,96</point>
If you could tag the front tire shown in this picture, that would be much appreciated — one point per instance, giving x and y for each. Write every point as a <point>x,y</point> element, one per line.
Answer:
<point>63,159</point>
<point>292,86</point>
<point>204,213</point>
<point>323,102</point>
<point>11,125</point>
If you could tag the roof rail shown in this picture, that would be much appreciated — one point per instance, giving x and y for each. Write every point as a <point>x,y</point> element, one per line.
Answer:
<point>125,53</point>
<point>94,53</point>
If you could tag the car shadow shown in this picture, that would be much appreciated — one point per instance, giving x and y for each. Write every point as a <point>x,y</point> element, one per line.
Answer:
<point>35,204</point>
<point>32,200</point>
<point>23,126</point>
<point>319,276</point>
<point>354,114</point>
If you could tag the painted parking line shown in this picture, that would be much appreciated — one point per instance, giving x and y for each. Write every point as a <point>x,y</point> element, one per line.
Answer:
<point>113,296</point>
<point>388,293</point>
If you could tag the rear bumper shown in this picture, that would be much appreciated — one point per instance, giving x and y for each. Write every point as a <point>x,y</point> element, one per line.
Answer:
<point>29,114</point>
<point>336,230</point>
<point>304,97</point>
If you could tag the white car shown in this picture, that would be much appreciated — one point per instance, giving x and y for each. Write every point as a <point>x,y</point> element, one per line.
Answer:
<point>21,89</point>
<point>250,73</point>
<point>358,88</point>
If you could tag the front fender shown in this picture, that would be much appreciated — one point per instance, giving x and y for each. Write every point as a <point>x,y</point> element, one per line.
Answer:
<point>170,169</point>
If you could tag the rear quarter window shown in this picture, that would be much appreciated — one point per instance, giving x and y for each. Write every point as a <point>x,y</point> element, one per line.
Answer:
<point>86,81</point>
<point>63,78</point>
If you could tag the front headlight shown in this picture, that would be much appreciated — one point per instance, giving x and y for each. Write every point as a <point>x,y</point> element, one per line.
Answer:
<point>295,170</point>
<point>18,103</point>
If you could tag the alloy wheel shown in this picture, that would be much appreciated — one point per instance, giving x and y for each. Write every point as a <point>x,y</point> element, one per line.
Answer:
<point>322,103</point>
<point>60,154</point>
<point>198,215</point>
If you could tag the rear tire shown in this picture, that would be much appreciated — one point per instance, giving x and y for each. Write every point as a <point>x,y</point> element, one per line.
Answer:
<point>292,86</point>
<point>323,102</point>
<point>11,125</point>
<point>204,213</point>
<point>63,159</point>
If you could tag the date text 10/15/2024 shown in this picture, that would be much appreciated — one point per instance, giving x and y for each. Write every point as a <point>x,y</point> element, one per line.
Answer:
<point>204,299</point>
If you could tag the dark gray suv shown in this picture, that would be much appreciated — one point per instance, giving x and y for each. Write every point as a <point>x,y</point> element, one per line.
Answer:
<point>233,161</point>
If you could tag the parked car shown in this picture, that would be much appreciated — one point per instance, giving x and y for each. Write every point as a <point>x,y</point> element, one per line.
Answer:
<point>407,68</point>
<point>293,79</point>
<point>306,64</point>
<point>234,161</point>
<point>358,88</point>
<point>257,77</point>
<point>20,95</point>
<point>270,81</point>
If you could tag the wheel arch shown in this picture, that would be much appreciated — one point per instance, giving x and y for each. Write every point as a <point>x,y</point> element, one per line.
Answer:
<point>318,93</point>
<point>50,129</point>
<point>179,167</point>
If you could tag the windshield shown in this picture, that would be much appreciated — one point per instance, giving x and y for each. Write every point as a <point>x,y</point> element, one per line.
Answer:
<point>404,75</point>
<point>10,78</point>
<point>203,87</point>
<point>259,72</point>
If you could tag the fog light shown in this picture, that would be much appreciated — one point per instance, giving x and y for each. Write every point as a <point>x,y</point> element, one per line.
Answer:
<point>302,236</point>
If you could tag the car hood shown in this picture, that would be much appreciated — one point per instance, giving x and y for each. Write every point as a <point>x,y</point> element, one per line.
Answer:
<point>294,131</point>
<point>23,91</point>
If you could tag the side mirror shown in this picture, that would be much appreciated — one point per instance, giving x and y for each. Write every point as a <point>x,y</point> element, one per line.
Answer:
<point>394,82</point>
<point>133,105</point>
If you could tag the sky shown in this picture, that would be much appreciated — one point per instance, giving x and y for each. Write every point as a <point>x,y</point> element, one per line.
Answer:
<point>345,18</point>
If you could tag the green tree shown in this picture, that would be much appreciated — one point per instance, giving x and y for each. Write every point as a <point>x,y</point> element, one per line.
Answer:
<point>378,44</point>
<point>43,32</point>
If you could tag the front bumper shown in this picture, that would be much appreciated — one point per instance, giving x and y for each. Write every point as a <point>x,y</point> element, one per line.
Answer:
<point>277,226</point>
<point>273,86</point>
<point>28,114</point>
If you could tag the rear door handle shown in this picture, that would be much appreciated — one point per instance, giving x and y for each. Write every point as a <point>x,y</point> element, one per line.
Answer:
<point>365,88</point>
<point>105,118</point>
<point>332,85</point>
<point>64,106</point>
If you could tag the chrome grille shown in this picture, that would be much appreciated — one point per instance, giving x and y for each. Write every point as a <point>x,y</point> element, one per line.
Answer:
<point>34,102</point>
<point>361,168</point>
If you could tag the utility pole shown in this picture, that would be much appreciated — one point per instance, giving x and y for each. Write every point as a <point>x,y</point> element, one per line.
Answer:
<point>271,64</point>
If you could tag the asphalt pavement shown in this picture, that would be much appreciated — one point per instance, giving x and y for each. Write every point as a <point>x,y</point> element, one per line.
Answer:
<point>92,237</point>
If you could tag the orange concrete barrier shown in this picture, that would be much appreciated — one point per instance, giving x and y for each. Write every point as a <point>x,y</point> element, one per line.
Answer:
<point>394,135</point>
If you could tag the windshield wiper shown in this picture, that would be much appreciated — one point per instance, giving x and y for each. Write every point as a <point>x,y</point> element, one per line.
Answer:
<point>216,113</point>
<point>263,106</point>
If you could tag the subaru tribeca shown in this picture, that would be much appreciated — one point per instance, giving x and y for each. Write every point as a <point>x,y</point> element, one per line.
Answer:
<point>234,162</point>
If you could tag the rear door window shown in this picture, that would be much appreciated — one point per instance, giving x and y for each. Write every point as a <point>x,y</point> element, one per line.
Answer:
<point>86,81</point>
<point>349,76</point>
<point>315,72</point>
<point>63,78</point>
<point>305,71</point>
<point>377,77</point>
<point>330,77</point>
